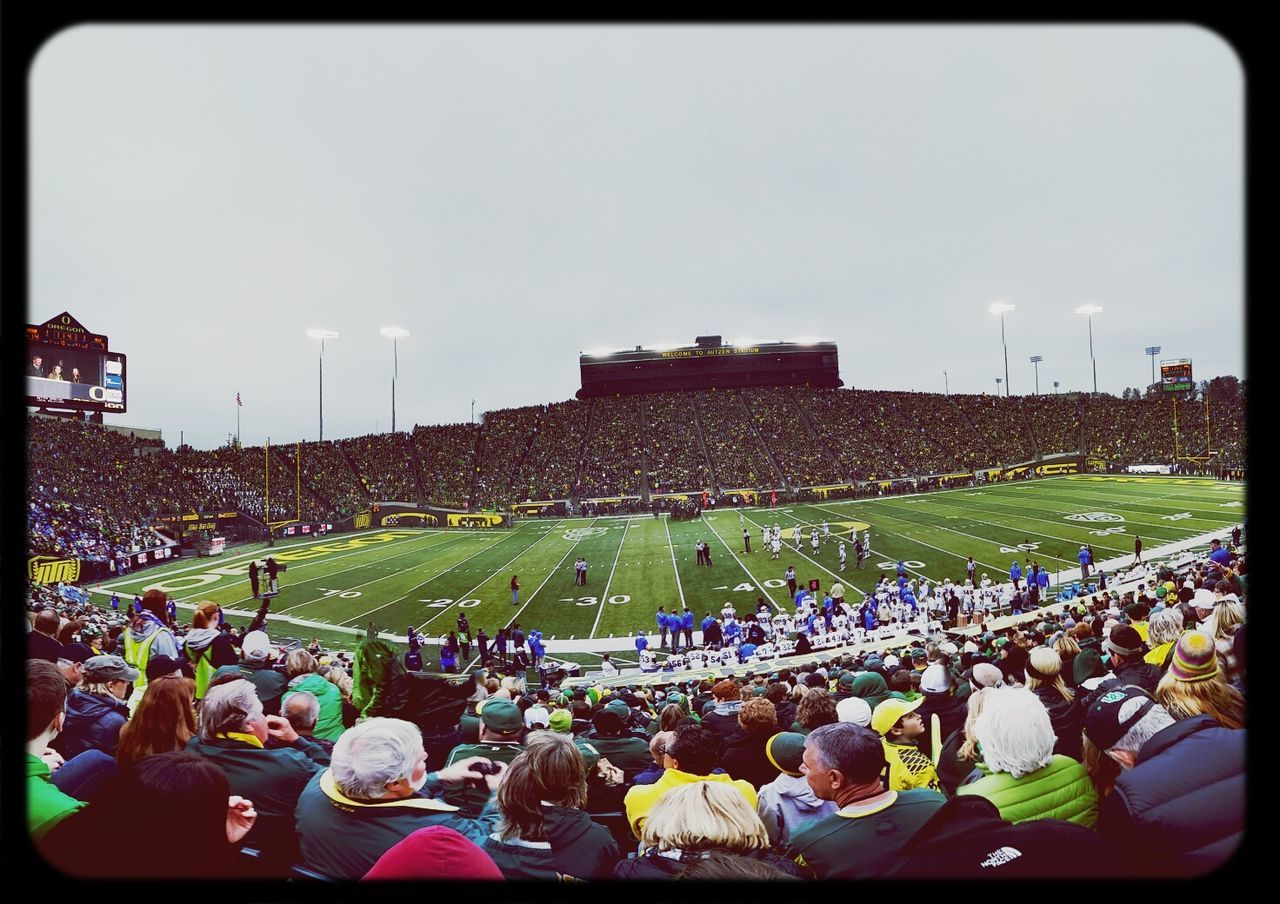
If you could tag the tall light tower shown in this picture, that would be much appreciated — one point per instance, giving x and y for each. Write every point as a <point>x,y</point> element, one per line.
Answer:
<point>1055,387</point>
<point>396,334</point>
<point>998,307</point>
<point>1089,310</point>
<point>1036,359</point>
<point>322,335</point>
<point>998,382</point>
<point>1153,350</point>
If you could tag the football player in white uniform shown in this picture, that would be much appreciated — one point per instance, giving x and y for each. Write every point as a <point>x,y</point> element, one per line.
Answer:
<point>776,546</point>
<point>813,541</point>
<point>648,661</point>
<point>842,554</point>
<point>697,659</point>
<point>796,534</point>
<point>765,651</point>
<point>726,611</point>
<point>786,647</point>
<point>678,661</point>
<point>826,532</point>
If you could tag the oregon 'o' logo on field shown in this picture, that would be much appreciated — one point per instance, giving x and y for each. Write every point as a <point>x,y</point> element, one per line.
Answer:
<point>574,534</point>
<point>1094,516</point>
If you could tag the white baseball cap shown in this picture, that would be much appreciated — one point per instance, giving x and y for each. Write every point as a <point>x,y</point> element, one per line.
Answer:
<point>855,710</point>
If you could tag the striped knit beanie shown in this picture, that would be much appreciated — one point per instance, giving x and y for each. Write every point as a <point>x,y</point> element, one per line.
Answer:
<point>1194,658</point>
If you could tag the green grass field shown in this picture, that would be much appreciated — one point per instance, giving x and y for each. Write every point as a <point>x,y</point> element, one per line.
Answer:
<point>398,577</point>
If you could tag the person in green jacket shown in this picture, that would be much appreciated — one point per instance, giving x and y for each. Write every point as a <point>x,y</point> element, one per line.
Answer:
<point>46,709</point>
<point>300,670</point>
<point>1021,774</point>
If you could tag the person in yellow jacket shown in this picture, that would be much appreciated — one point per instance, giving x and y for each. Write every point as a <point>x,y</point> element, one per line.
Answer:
<point>1163,631</point>
<point>899,725</point>
<point>691,757</point>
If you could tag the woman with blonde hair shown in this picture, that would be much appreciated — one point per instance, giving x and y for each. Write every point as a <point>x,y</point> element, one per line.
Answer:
<point>1222,625</point>
<point>1022,775</point>
<point>207,648</point>
<point>544,831</point>
<point>1194,685</point>
<point>163,722</point>
<point>1044,679</point>
<point>338,677</point>
<point>300,669</point>
<point>695,821</point>
<point>1067,649</point>
<point>959,757</point>
<point>1163,630</point>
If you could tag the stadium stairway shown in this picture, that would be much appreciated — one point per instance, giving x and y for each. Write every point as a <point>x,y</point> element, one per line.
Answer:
<point>702,443</point>
<point>755,428</point>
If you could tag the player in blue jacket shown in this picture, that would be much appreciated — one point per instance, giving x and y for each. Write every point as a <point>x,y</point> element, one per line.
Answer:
<point>673,625</point>
<point>732,632</point>
<point>661,619</point>
<point>1083,559</point>
<point>1015,574</point>
<point>686,624</point>
<point>642,642</point>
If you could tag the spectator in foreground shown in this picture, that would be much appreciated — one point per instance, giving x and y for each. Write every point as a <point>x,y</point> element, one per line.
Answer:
<point>544,831</point>
<point>47,804</point>
<point>697,821</point>
<point>300,670</point>
<point>378,791</point>
<point>302,709</point>
<point>1044,679</point>
<point>901,727</point>
<point>1022,775</point>
<point>234,733</point>
<point>843,763</point>
<point>691,757</point>
<point>1194,685</point>
<point>747,758</point>
<point>96,712</point>
<point>257,654</point>
<point>1178,804</point>
<point>177,805</point>
<point>788,801</point>
<point>149,636</point>
<point>163,722</point>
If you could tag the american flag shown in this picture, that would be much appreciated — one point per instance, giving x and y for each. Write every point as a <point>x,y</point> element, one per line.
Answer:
<point>238,402</point>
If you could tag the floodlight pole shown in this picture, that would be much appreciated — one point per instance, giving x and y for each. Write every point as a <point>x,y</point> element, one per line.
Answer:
<point>1153,350</point>
<point>1036,359</point>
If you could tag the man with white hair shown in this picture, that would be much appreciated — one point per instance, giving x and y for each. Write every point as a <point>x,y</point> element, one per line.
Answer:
<point>234,733</point>
<point>376,792</point>
<point>302,709</point>
<point>1177,807</point>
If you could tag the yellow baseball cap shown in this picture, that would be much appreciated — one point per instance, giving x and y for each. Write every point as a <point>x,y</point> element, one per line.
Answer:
<point>887,714</point>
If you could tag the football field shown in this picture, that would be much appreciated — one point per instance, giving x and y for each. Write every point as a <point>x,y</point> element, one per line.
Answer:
<point>397,577</point>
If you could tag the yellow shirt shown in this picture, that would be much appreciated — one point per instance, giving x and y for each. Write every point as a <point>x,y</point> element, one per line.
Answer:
<point>641,798</point>
<point>909,768</point>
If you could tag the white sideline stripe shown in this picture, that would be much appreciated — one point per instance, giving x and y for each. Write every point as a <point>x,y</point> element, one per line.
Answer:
<point>486,580</point>
<point>674,566</point>
<point>604,597</point>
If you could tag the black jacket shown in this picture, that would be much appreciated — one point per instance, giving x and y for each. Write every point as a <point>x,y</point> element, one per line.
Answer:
<point>745,758</point>
<point>1067,719</point>
<point>652,865</point>
<point>580,849</point>
<point>951,714</point>
<point>1180,809</point>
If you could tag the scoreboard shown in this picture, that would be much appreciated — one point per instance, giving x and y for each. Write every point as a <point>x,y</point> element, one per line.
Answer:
<point>1175,375</point>
<point>70,368</point>
<point>709,363</point>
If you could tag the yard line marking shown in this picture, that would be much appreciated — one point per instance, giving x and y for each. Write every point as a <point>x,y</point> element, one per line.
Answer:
<point>492,575</point>
<point>604,597</point>
<point>759,583</point>
<point>513,618</point>
<point>674,567</point>
<point>415,587</point>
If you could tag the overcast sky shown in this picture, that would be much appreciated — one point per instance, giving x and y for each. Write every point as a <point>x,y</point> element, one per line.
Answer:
<point>515,195</point>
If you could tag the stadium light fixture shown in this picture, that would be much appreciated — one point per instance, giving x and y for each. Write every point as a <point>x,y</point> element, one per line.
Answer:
<point>322,335</point>
<point>599,352</point>
<point>1036,359</point>
<point>396,334</point>
<point>1089,310</point>
<point>1153,350</point>
<point>999,307</point>
<point>998,382</point>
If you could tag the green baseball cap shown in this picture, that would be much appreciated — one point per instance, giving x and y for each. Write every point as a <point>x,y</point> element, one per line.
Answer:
<point>500,715</point>
<point>620,707</point>
<point>561,721</point>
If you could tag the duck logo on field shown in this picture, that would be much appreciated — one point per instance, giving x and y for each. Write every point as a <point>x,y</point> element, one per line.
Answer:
<point>1094,517</point>
<point>574,534</point>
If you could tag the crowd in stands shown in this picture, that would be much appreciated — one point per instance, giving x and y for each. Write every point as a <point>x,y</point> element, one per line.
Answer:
<point>1103,736</point>
<point>550,469</point>
<point>446,460</point>
<point>780,419</point>
<point>672,445</point>
<point>384,464</point>
<point>325,468</point>
<point>738,459</point>
<point>94,492</point>
<point>505,438</point>
<point>613,458</point>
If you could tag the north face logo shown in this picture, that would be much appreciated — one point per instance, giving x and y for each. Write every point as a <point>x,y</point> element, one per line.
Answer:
<point>1001,856</point>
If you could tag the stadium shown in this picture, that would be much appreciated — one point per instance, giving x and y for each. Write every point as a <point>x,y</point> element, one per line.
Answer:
<point>695,515</point>
<point>818,454</point>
